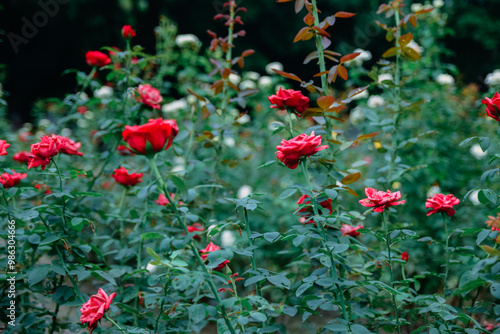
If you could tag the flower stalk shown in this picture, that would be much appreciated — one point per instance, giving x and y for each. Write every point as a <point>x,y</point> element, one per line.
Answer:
<point>250,240</point>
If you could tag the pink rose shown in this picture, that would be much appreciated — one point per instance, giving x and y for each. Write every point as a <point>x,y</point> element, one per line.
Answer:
<point>380,200</point>
<point>93,310</point>
<point>149,96</point>
<point>350,230</point>
<point>441,203</point>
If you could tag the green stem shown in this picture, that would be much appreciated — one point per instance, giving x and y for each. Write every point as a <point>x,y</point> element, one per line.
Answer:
<point>319,47</point>
<point>447,254</point>
<point>62,197</point>
<point>290,123</point>
<point>75,286</point>
<point>167,279</point>
<point>388,244</point>
<point>56,311</point>
<point>397,94</point>
<point>114,323</point>
<point>6,203</point>
<point>84,87</point>
<point>250,240</point>
<point>191,244</point>
<point>322,233</point>
<point>122,220</point>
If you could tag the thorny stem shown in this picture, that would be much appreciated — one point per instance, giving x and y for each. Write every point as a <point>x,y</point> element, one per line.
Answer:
<point>167,279</point>
<point>62,195</point>
<point>388,243</point>
<point>191,244</point>
<point>75,286</point>
<point>114,323</point>
<point>250,240</point>
<point>447,254</point>
<point>397,94</point>
<point>322,233</point>
<point>290,123</point>
<point>56,310</point>
<point>122,223</point>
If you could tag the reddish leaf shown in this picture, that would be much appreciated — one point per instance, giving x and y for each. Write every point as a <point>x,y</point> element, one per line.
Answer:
<point>350,191</point>
<point>196,95</point>
<point>247,53</point>
<point>287,75</point>
<point>225,72</point>
<point>324,102</point>
<point>413,21</point>
<point>351,178</point>
<point>336,118</point>
<point>332,74</point>
<point>357,91</point>
<point>410,53</point>
<point>325,42</point>
<point>405,39</point>
<point>369,135</point>
<point>336,109</point>
<point>278,1</point>
<point>309,19</point>
<point>344,14</point>
<point>303,35</point>
<point>342,71</point>
<point>311,112</point>
<point>349,57</point>
<point>333,53</point>
<point>330,20</point>
<point>424,11</point>
<point>390,53</point>
<point>217,86</point>
<point>383,8</point>
<point>321,31</point>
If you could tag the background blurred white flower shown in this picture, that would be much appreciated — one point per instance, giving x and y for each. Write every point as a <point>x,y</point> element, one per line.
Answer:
<point>174,106</point>
<point>244,191</point>
<point>227,239</point>
<point>244,119</point>
<point>187,40</point>
<point>438,3</point>
<point>248,84</point>
<point>493,78</point>
<point>251,75</point>
<point>415,7</point>
<point>363,95</point>
<point>415,46</point>
<point>385,76</point>
<point>445,79</point>
<point>105,92</point>
<point>276,65</point>
<point>356,116</point>
<point>364,56</point>
<point>375,101</point>
<point>234,78</point>
<point>265,82</point>
<point>474,197</point>
<point>477,151</point>
<point>433,191</point>
<point>229,141</point>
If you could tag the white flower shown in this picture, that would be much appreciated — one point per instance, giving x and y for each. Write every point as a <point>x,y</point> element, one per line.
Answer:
<point>477,151</point>
<point>474,197</point>
<point>445,79</point>
<point>363,95</point>
<point>356,116</point>
<point>276,65</point>
<point>364,56</point>
<point>234,78</point>
<point>244,191</point>
<point>152,268</point>
<point>180,161</point>
<point>244,119</point>
<point>174,106</point>
<point>493,79</point>
<point>227,239</point>
<point>438,3</point>
<point>191,99</point>
<point>187,40</point>
<point>375,101</point>
<point>105,92</point>
<point>247,84</point>
<point>252,75</point>
<point>89,114</point>
<point>385,76</point>
<point>83,97</point>
<point>265,82</point>
<point>416,7</point>
<point>414,45</point>
<point>229,141</point>
<point>433,191</point>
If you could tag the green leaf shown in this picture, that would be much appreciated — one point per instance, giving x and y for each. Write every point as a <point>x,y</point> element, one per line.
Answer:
<point>287,193</point>
<point>495,290</point>
<point>269,163</point>
<point>261,317</point>
<point>49,239</point>
<point>303,288</point>
<point>481,236</point>
<point>106,276</point>
<point>280,281</point>
<point>484,142</point>
<point>152,235</point>
<point>38,274</point>
<point>197,313</point>
<point>332,193</point>
<point>271,236</point>
<point>469,286</point>
<point>181,186</point>
<point>486,195</point>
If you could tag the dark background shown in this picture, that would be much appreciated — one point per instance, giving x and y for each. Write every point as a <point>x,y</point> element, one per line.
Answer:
<point>76,26</point>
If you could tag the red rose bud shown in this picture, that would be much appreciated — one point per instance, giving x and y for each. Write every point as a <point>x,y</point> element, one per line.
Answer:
<point>163,200</point>
<point>441,203</point>
<point>93,310</point>
<point>405,256</point>
<point>22,157</point>
<point>196,227</point>
<point>97,58</point>
<point>211,247</point>
<point>291,151</point>
<point>380,200</point>
<point>492,106</point>
<point>3,147</point>
<point>350,230</point>
<point>44,151</point>
<point>289,98</point>
<point>43,187</point>
<point>122,176</point>
<point>157,134</point>
<point>128,32</point>
<point>9,181</point>
<point>149,96</point>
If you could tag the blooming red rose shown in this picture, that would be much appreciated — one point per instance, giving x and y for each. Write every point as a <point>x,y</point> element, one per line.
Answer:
<point>289,98</point>
<point>405,256</point>
<point>196,227</point>
<point>9,181</point>
<point>124,150</point>
<point>157,132</point>
<point>22,157</point>
<point>492,106</point>
<point>128,32</point>
<point>308,210</point>
<point>69,146</point>
<point>380,200</point>
<point>122,176</point>
<point>441,203</point>
<point>350,230</point>
<point>3,147</point>
<point>44,151</point>
<point>211,247</point>
<point>149,96</point>
<point>93,310</point>
<point>291,151</point>
<point>97,58</point>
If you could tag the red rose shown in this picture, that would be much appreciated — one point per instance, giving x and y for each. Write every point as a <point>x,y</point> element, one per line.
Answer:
<point>159,133</point>
<point>289,98</point>
<point>441,203</point>
<point>405,256</point>
<point>93,310</point>
<point>291,151</point>
<point>380,200</point>
<point>42,152</point>
<point>211,247</point>
<point>9,181</point>
<point>128,32</point>
<point>82,110</point>
<point>163,200</point>
<point>307,211</point>
<point>149,96</point>
<point>124,150</point>
<point>22,157</point>
<point>492,106</point>
<point>3,147</point>
<point>196,227</point>
<point>122,176</point>
<point>24,136</point>
<point>69,146</point>
<point>97,58</point>
<point>350,230</point>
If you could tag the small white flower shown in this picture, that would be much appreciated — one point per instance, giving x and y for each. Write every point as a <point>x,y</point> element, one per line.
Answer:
<point>385,76</point>
<point>493,79</point>
<point>174,106</point>
<point>356,116</point>
<point>229,141</point>
<point>234,78</point>
<point>265,82</point>
<point>27,127</point>
<point>244,191</point>
<point>247,84</point>
<point>82,123</point>
<point>83,97</point>
<point>438,3</point>
<point>364,56</point>
<point>474,197</point>
<point>244,119</point>
<point>227,239</point>
<point>252,75</point>
<point>433,191</point>
<point>152,268</point>
<point>445,79</point>
<point>180,161</point>
<point>43,123</point>
<point>363,95</point>
<point>414,45</point>
<point>89,114</point>
<point>105,92</point>
<point>66,132</point>
<point>276,65</point>
<point>477,151</point>
<point>191,99</point>
<point>416,7</point>
<point>375,101</point>
<point>187,40</point>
